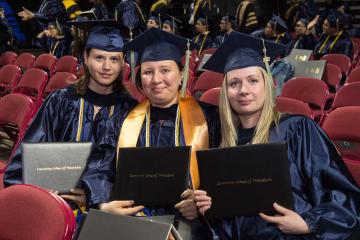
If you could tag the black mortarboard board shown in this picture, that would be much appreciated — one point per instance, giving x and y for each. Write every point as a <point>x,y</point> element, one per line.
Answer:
<point>105,35</point>
<point>280,24</point>
<point>156,45</point>
<point>335,18</point>
<point>240,51</point>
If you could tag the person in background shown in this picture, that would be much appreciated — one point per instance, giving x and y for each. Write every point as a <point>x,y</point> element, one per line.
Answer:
<point>130,14</point>
<point>170,26</point>
<point>304,38</point>
<point>227,26</point>
<point>334,39</point>
<point>203,38</point>
<point>72,9</point>
<point>6,38</point>
<point>246,17</point>
<point>49,11</point>
<point>153,22</point>
<point>275,30</point>
<point>326,197</point>
<point>100,10</point>
<point>53,40</point>
<point>160,7</point>
<point>200,9</point>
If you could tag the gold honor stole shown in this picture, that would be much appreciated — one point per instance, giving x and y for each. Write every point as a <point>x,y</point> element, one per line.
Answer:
<point>195,130</point>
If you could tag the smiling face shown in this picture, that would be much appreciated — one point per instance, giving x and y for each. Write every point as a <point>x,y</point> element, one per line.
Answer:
<point>104,68</point>
<point>246,91</point>
<point>151,24</point>
<point>160,82</point>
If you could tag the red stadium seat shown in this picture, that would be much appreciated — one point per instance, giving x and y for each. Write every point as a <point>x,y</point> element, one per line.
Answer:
<point>356,49</point>
<point>32,83</point>
<point>332,76</point>
<point>342,126</point>
<point>340,60</point>
<point>293,106</point>
<point>309,90</point>
<point>211,96</point>
<point>354,75</point>
<point>46,62</point>
<point>8,57</point>
<point>2,170</point>
<point>9,78</point>
<point>35,213</point>
<point>67,64</point>
<point>58,81</point>
<point>126,72</point>
<point>25,60</point>
<point>348,95</point>
<point>207,51</point>
<point>206,81</point>
<point>15,114</point>
<point>354,169</point>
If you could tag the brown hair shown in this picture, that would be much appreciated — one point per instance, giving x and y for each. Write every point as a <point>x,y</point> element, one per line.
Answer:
<point>82,84</point>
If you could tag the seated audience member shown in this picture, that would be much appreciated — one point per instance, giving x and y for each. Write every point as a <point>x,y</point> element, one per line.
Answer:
<point>153,22</point>
<point>334,39</point>
<point>227,26</point>
<point>275,30</point>
<point>203,38</point>
<point>53,40</point>
<point>304,39</point>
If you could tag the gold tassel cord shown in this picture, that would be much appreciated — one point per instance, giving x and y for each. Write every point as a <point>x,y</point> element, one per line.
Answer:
<point>186,71</point>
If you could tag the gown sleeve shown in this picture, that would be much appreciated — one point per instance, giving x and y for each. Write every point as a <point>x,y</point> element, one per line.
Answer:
<point>45,127</point>
<point>99,177</point>
<point>332,192</point>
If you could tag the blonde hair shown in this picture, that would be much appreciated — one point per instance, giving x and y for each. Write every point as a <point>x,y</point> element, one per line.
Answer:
<point>230,121</point>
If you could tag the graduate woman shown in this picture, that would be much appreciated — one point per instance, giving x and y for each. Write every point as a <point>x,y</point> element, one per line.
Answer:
<point>326,198</point>
<point>167,118</point>
<point>81,111</point>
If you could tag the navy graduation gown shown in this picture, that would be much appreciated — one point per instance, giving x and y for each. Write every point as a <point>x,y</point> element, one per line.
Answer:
<point>99,182</point>
<point>131,16</point>
<point>101,12</point>
<point>58,47</point>
<point>325,195</point>
<point>50,10</point>
<point>305,42</point>
<point>57,121</point>
<point>343,46</point>
<point>219,39</point>
<point>203,43</point>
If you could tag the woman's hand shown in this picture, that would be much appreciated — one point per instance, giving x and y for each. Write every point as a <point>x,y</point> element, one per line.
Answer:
<point>288,221</point>
<point>120,207</point>
<point>77,196</point>
<point>187,207</point>
<point>26,14</point>
<point>203,202</point>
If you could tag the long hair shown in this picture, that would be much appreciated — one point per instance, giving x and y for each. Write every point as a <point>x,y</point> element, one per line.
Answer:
<point>82,84</point>
<point>230,121</point>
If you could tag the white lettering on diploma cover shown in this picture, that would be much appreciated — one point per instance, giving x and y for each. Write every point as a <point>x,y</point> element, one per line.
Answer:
<point>57,168</point>
<point>245,181</point>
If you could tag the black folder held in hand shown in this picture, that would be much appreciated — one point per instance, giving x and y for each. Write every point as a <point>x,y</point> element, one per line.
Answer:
<point>245,180</point>
<point>101,225</point>
<point>56,166</point>
<point>152,176</point>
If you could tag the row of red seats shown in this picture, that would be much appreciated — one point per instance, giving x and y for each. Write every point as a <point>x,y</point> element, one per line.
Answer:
<point>47,62</point>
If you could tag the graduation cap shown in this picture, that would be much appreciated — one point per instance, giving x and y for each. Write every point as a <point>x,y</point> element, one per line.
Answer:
<point>335,19</point>
<point>240,50</point>
<point>156,19</point>
<point>172,22</point>
<point>157,45</point>
<point>280,25</point>
<point>105,35</point>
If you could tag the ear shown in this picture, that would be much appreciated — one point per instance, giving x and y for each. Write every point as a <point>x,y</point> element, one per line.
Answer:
<point>86,58</point>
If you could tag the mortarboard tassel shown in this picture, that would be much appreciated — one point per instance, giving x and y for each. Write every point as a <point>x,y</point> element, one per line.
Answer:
<point>58,27</point>
<point>132,60</point>
<point>266,61</point>
<point>186,71</point>
<point>160,26</point>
